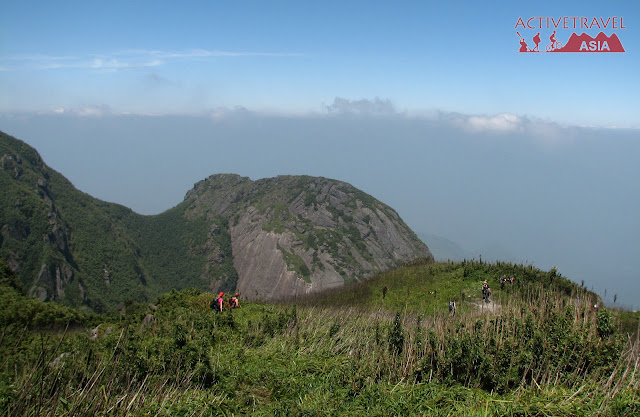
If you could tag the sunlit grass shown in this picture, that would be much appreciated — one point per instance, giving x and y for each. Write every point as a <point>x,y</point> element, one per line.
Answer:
<point>540,353</point>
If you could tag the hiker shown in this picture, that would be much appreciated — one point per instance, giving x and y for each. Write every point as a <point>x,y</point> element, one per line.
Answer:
<point>503,279</point>
<point>452,307</point>
<point>485,287</point>
<point>233,302</point>
<point>488,295</point>
<point>218,302</point>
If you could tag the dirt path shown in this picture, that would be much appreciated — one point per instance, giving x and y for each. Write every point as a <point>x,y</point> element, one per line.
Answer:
<point>490,307</point>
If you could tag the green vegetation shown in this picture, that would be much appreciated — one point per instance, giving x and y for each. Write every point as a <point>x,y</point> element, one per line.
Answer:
<point>279,214</point>
<point>296,263</point>
<point>80,251</point>
<point>386,346</point>
<point>74,249</point>
<point>424,286</point>
<point>538,352</point>
<point>18,311</point>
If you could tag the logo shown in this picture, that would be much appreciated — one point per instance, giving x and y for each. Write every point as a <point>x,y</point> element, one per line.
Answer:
<point>585,42</point>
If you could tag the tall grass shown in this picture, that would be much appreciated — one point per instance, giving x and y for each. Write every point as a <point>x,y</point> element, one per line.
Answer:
<point>552,346</point>
<point>537,351</point>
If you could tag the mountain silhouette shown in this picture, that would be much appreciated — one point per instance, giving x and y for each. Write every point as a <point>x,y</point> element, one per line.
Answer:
<point>577,43</point>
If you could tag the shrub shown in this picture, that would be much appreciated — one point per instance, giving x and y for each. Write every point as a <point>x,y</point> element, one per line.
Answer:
<point>396,335</point>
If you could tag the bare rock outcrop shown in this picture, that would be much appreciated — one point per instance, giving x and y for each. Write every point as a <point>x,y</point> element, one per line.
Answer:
<point>293,235</point>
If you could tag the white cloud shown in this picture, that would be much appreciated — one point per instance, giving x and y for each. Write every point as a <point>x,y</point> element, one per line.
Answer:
<point>503,122</point>
<point>221,113</point>
<point>100,63</point>
<point>133,58</point>
<point>500,123</point>
<point>92,111</point>
<point>112,63</point>
<point>203,53</point>
<point>545,132</point>
<point>363,107</point>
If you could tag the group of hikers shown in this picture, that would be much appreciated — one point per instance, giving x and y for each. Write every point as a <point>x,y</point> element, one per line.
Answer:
<point>217,303</point>
<point>504,279</point>
<point>486,292</point>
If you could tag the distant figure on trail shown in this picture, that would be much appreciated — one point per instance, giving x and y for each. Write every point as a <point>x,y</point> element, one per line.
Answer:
<point>487,298</point>
<point>452,307</point>
<point>218,302</point>
<point>511,279</point>
<point>503,279</point>
<point>536,40</point>
<point>384,291</point>
<point>485,288</point>
<point>233,302</point>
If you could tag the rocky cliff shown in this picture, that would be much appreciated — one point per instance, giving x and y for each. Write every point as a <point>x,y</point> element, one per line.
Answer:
<point>292,235</point>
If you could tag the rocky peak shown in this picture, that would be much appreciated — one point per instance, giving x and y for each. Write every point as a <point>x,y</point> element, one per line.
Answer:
<point>292,235</point>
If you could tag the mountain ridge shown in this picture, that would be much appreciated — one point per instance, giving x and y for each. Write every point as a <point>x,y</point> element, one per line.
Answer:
<point>270,238</point>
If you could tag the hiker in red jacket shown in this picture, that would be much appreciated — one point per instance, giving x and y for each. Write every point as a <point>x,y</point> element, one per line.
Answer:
<point>218,302</point>
<point>233,302</point>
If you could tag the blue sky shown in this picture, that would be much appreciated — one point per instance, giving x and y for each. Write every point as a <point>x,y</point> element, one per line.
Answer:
<point>427,106</point>
<point>296,57</point>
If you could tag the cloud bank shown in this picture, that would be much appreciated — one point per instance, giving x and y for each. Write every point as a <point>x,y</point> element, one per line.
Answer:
<point>502,125</point>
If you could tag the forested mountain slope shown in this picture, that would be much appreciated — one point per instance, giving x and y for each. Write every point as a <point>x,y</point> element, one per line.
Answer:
<point>271,238</point>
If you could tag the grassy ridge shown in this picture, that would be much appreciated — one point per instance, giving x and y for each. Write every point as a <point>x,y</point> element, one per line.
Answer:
<point>426,287</point>
<point>556,356</point>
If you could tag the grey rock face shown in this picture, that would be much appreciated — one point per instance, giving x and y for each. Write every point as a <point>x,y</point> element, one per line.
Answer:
<point>293,235</point>
<point>262,270</point>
